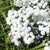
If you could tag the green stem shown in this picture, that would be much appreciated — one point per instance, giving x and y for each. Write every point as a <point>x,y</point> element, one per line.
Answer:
<point>11,2</point>
<point>6,47</point>
<point>13,48</point>
<point>2,9</point>
<point>4,16</point>
<point>39,46</point>
<point>1,45</point>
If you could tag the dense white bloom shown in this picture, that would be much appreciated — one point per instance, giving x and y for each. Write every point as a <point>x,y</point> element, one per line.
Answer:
<point>19,26</point>
<point>22,21</point>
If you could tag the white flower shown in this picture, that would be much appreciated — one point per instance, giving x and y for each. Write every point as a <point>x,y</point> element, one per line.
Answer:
<point>9,34</point>
<point>8,20</point>
<point>42,12</point>
<point>25,38</point>
<point>24,18</point>
<point>17,43</point>
<point>36,7</point>
<point>26,31</point>
<point>36,13</point>
<point>46,48</point>
<point>12,32</point>
<point>18,22</point>
<point>47,30</point>
<point>29,12</point>
<point>27,35</point>
<point>29,28</point>
<point>20,26</point>
<point>18,34</point>
<point>12,13</point>
<point>46,44</point>
<point>26,22</point>
<point>49,42</point>
<point>31,33</point>
<point>49,24</point>
<point>36,10</point>
<point>29,41</point>
<point>40,27</point>
<point>22,34</point>
<point>12,28</point>
<point>44,23</point>
<point>14,24</point>
<point>32,23</point>
<point>39,22</point>
<point>23,28</point>
<point>32,36</point>
<point>39,4</point>
<point>34,1</point>
<point>45,4</point>
<point>25,2</point>
<point>13,39</point>
<point>42,33</point>
<point>42,2</point>
<point>18,3</point>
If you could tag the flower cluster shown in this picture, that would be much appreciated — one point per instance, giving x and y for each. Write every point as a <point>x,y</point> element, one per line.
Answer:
<point>44,27</point>
<point>19,26</point>
<point>23,21</point>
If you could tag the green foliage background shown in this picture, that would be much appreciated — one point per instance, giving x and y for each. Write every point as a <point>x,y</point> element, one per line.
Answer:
<point>5,43</point>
